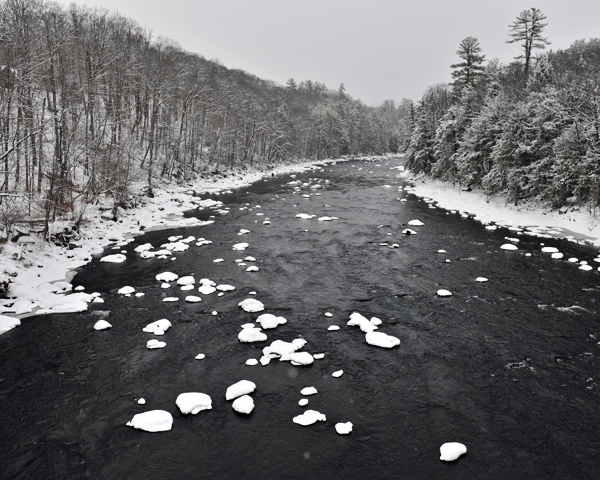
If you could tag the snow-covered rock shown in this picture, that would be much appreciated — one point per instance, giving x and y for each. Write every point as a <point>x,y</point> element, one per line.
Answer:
<point>117,258</point>
<point>225,288</point>
<point>337,374</point>
<point>152,344</point>
<point>167,277</point>
<point>126,290</point>
<point>444,293</point>
<point>243,404</point>
<point>241,246</point>
<point>301,358</point>
<point>251,305</point>
<point>243,387</point>
<point>159,327</point>
<point>192,299</point>
<point>268,321</point>
<point>206,289</point>
<point>451,451</point>
<point>509,246</point>
<point>309,417</point>
<point>416,223</point>
<point>152,421</point>
<point>249,335</point>
<point>193,402</point>
<point>306,391</point>
<point>380,339</point>
<point>281,349</point>
<point>408,231</point>
<point>343,428</point>
<point>100,325</point>
<point>356,319</point>
<point>188,280</point>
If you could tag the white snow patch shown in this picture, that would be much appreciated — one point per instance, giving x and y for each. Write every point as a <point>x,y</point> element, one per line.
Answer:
<point>251,305</point>
<point>167,277</point>
<point>159,327</point>
<point>303,402</point>
<point>248,335</point>
<point>193,402</point>
<point>443,293</point>
<point>343,428</point>
<point>241,246</point>
<point>333,328</point>
<point>152,421</point>
<point>117,258</point>
<point>192,299</point>
<point>337,374</point>
<point>481,279</point>
<point>416,223</point>
<point>380,339</point>
<point>243,387</point>
<point>309,417</point>
<point>306,391</point>
<point>200,356</point>
<point>243,404</point>
<point>451,451</point>
<point>356,319</point>
<point>268,321</point>
<point>251,362</point>
<point>8,323</point>
<point>152,344</point>
<point>301,358</point>
<point>509,246</point>
<point>186,281</point>
<point>99,325</point>
<point>126,290</point>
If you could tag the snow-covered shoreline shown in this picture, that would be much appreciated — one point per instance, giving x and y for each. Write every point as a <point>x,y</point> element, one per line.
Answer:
<point>40,272</point>
<point>574,224</point>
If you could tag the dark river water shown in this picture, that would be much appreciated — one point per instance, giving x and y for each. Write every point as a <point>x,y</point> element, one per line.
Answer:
<point>499,366</point>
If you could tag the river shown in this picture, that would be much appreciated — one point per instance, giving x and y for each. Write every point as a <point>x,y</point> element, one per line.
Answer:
<point>505,367</point>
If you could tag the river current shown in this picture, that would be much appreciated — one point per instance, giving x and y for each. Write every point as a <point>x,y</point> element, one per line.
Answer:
<point>508,367</point>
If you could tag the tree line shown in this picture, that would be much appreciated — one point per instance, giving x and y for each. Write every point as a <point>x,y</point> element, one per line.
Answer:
<point>529,129</point>
<point>91,102</point>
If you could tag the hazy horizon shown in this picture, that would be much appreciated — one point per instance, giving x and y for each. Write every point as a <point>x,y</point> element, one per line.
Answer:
<point>380,50</point>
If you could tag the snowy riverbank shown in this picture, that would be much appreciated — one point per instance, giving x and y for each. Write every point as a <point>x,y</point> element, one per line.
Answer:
<point>40,272</point>
<point>576,224</point>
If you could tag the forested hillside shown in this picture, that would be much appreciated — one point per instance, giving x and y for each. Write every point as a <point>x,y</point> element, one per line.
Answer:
<point>530,129</point>
<point>90,102</point>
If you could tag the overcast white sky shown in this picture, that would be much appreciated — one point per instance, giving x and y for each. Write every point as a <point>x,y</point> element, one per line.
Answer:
<point>380,49</point>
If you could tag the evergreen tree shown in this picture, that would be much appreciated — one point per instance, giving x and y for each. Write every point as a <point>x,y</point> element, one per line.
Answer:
<point>527,31</point>
<point>471,67</point>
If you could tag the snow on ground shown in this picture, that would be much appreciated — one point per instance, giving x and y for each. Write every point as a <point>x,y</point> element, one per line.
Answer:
<point>572,223</point>
<point>35,265</point>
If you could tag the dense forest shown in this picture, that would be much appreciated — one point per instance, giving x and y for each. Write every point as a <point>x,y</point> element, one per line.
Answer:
<point>90,102</point>
<point>529,130</point>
